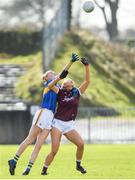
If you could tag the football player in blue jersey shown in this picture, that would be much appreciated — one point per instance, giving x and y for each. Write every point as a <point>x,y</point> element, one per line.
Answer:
<point>42,120</point>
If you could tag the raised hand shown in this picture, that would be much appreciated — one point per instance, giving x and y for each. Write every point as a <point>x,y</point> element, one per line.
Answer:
<point>84,61</point>
<point>74,57</point>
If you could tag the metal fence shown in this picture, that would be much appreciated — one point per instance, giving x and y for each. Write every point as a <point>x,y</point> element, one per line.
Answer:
<point>106,125</point>
<point>95,125</point>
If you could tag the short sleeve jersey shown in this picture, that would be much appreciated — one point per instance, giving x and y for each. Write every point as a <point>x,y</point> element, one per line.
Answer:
<point>49,98</point>
<point>68,102</point>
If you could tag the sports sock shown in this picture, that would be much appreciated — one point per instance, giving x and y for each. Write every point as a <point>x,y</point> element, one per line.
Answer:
<point>30,165</point>
<point>16,157</point>
<point>78,163</point>
<point>45,168</point>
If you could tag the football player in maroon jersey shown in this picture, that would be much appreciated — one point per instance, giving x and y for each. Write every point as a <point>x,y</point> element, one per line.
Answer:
<point>63,123</point>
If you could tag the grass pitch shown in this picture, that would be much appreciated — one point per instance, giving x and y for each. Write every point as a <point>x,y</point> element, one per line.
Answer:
<point>101,162</point>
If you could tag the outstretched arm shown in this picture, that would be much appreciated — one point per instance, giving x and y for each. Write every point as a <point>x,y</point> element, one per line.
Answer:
<point>86,82</point>
<point>63,73</point>
<point>67,67</point>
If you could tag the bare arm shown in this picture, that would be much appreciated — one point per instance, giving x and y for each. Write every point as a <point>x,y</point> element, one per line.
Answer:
<point>66,68</point>
<point>86,82</point>
<point>74,58</point>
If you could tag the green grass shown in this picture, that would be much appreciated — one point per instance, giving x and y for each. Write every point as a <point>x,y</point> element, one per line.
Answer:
<point>19,60</point>
<point>101,162</point>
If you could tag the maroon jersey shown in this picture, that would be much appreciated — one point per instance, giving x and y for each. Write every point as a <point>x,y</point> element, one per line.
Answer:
<point>68,102</point>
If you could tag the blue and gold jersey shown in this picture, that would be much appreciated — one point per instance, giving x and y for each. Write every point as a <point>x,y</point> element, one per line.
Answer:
<point>49,98</point>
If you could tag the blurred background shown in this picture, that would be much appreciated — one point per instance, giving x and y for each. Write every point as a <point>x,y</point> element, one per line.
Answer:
<point>38,35</point>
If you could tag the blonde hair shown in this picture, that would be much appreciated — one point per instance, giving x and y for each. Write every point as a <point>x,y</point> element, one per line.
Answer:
<point>67,79</point>
<point>43,77</point>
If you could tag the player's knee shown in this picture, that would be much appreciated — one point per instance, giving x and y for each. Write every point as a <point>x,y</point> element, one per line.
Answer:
<point>28,140</point>
<point>54,152</point>
<point>80,144</point>
<point>38,147</point>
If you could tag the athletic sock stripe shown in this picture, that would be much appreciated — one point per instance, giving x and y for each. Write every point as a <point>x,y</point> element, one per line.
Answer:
<point>30,166</point>
<point>15,158</point>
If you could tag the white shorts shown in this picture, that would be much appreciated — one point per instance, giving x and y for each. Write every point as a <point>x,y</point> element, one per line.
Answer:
<point>43,119</point>
<point>63,126</point>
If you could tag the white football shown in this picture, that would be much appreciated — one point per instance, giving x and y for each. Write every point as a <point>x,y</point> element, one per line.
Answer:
<point>88,6</point>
